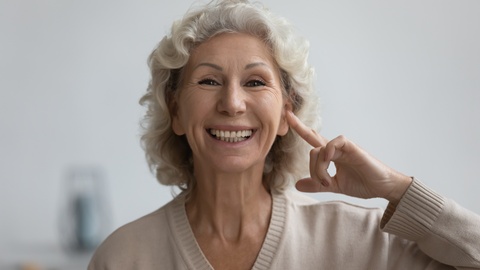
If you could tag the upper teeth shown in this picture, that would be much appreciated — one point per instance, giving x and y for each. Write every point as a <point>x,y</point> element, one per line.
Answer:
<point>231,136</point>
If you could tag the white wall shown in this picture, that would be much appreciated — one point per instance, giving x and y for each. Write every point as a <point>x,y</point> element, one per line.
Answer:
<point>399,78</point>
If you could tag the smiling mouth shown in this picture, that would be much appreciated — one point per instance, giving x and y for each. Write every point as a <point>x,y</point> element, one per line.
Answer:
<point>231,136</point>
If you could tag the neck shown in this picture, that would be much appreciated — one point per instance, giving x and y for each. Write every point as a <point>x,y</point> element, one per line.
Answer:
<point>229,206</point>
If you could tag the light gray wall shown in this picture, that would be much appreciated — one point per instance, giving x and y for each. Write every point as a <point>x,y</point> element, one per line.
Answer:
<point>399,78</point>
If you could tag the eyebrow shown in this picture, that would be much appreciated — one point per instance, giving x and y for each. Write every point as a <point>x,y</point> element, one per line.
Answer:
<point>252,65</point>
<point>217,67</point>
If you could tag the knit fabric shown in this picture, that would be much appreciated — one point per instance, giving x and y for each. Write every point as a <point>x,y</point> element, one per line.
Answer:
<point>424,231</point>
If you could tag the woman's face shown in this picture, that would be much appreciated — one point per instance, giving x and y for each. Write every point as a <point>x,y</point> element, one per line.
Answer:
<point>230,104</point>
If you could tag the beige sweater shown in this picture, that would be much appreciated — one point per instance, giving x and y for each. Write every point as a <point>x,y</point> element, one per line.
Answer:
<point>425,231</point>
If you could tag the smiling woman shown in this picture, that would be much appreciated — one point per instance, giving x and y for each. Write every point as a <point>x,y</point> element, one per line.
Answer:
<point>231,118</point>
<point>285,58</point>
<point>230,85</point>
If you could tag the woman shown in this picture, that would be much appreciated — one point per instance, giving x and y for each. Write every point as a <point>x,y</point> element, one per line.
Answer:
<point>231,118</point>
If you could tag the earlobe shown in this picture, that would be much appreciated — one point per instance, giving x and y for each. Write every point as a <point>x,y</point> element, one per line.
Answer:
<point>176,126</point>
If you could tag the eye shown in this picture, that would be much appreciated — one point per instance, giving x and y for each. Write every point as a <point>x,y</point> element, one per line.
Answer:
<point>255,83</point>
<point>210,82</point>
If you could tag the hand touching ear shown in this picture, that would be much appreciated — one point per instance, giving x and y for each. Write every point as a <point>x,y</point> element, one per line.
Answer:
<point>358,174</point>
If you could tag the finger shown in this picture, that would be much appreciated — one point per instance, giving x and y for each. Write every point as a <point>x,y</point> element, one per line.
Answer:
<point>313,164</point>
<point>335,148</point>
<point>311,185</point>
<point>308,134</point>
<point>318,167</point>
<point>308,185</point>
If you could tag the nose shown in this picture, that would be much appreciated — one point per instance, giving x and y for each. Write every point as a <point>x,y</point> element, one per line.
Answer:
<point>232,100</point>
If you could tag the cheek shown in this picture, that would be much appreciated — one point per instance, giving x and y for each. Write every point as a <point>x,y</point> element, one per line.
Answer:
<point>272,108</point>
<point>271,98</point>
<point>191,110</point>
<point>279,106</point>
<point>179,123</point>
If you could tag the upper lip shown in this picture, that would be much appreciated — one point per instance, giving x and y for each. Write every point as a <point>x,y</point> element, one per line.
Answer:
<point>230,128</point>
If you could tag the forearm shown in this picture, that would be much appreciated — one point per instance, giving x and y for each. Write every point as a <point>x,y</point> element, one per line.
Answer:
<point>442,229</point>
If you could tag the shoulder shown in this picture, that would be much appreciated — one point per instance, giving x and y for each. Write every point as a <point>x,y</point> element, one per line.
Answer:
<point>346,226</point>
<point>331,213</point>
<point>141,228</point>
<point>134,240</point>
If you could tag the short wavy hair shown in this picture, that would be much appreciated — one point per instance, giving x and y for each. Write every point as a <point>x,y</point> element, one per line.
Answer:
<point>168,154</point>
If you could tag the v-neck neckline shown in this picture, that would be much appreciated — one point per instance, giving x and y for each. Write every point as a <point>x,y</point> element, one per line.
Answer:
<point>191,252</point>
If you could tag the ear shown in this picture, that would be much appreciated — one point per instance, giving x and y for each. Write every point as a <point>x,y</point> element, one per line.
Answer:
<point>177,127</point>
<point>176,123</point>
<point>283,127</point>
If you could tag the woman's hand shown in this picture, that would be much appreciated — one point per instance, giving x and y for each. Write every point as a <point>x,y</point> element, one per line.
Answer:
<point>358,174</point>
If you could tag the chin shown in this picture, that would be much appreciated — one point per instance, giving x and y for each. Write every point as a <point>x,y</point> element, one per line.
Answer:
<point>236,166</point>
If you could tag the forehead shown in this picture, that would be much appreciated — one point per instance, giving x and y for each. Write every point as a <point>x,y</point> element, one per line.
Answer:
<point>237,46</point>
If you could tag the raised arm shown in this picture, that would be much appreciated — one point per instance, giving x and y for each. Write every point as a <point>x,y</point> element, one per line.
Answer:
<point>358,174</point>
<point>442,229</point>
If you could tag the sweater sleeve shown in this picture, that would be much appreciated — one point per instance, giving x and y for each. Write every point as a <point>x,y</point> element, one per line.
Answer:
<point>441,228</point>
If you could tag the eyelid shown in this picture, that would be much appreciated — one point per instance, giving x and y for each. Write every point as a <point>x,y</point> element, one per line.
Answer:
<point>208,81</point>
<point>260,81</point>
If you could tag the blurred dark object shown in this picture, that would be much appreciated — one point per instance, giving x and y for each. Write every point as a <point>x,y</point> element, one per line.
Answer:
<point>84,218</point>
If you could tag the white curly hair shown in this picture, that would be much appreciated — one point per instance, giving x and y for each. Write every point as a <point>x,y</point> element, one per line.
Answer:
<point>169,155</point>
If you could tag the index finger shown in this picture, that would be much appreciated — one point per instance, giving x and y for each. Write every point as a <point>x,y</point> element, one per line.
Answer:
<point>308,134</point>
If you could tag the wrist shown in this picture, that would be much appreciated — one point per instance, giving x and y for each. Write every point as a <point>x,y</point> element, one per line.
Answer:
<point>402,183</point>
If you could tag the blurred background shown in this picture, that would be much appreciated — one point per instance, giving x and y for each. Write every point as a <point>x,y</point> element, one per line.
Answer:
<point>402,79</point>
